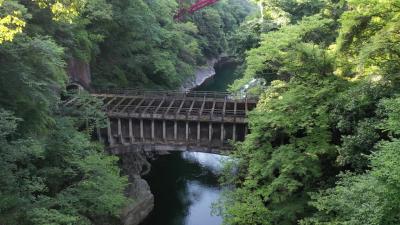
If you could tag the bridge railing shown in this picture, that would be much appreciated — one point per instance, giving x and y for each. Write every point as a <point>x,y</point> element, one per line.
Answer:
<point>174,94</point>
<point>174,110</point>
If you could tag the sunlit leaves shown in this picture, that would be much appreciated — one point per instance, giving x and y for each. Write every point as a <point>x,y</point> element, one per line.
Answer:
<point>289,11</point>
<point>369,39</point>
<point>10,25</point>
<point>12,20</point>
<point>391,123</point>
<point>289,51</point>
<point>13,14</point>
<point>63,10</point>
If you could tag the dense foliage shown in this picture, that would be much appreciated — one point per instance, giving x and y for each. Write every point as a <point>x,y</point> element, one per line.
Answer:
<point>130,43</point>
<point>324,145</point>
<point>52,172</point>
<point>144,46</point>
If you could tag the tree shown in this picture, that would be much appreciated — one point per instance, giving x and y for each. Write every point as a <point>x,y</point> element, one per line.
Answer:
<point>51,172</point>
<point>171,51</point>
<point>11,20</point>
<point>323,142</point>
<point>371,197</point>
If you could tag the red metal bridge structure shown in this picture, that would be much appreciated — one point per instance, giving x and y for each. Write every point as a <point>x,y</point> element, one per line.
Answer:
<point>193,8</point>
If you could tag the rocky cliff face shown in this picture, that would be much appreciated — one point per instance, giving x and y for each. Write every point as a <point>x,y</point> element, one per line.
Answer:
<point>134,164</point>
<point>201,74</point>
<point>79,72</point>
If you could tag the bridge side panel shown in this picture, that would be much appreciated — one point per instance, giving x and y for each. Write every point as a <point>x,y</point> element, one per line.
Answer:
<point>181,120</point>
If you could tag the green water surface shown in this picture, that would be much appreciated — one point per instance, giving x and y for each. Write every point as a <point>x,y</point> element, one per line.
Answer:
<point>225,75</point>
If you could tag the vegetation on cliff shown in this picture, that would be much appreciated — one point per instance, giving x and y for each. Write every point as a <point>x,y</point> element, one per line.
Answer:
<point>324,142</point>
<point>144,46</point>
<point>324,145</point>
<point>51,170</point>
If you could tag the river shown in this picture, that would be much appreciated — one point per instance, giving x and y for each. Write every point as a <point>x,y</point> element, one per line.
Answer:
<point>224,76</point>
<point>186,184</point>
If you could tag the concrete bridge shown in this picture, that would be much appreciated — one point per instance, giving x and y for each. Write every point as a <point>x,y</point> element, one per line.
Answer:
<point>173,121</point>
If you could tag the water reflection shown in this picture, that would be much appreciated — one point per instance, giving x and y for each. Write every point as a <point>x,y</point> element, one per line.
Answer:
<point>202,197</point>
<point>184,185</point>
<point>211,162</point>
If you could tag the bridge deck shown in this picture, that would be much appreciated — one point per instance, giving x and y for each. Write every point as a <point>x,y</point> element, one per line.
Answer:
<point>160,120</point>
<point>178,107</point>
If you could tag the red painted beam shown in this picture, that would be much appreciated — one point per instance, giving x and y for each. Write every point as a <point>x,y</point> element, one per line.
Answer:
<point>193,8</point>
<point>201,4</point>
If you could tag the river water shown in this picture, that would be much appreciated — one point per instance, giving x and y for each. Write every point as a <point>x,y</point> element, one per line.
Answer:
<point>185,184</point>
<point>225,75</point>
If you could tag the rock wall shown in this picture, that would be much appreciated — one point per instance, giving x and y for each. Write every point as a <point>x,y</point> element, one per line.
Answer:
<point>79,72</point>
<point>201,74</point>
<point>135,165</point>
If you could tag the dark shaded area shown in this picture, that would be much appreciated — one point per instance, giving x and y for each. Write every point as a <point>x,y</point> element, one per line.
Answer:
<point>170,178</point>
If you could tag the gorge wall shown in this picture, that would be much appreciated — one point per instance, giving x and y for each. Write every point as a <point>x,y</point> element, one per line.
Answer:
<point>201,74</point>
<point>135,165</point>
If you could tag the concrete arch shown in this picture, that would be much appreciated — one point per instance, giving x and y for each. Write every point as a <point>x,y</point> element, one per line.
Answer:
<point>75,87</point>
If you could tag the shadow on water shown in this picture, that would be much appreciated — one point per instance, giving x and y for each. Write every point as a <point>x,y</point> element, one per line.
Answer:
<point>184,186</point>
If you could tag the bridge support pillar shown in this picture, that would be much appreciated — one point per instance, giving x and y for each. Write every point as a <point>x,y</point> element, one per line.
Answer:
<point>109,133</point>
<point>210,131</point>
<point>187,132</point>
<point>152,130</point>
<point>222,134</point>
<point>198,133</point>
<point>164,131</point>
<point>131,137</point>
<point>121,139</point>
<point>234,132</point>
<point>175,130</point>
<point>141,130</point>
<point>245,130</point>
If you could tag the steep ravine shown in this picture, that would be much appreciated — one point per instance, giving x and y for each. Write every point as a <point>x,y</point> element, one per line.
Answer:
<point>201,74</point>
<point>135,165</point>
